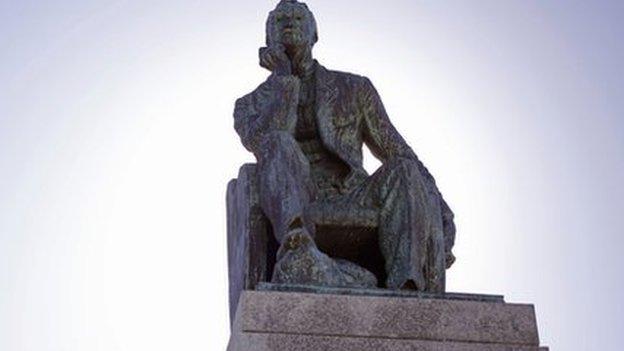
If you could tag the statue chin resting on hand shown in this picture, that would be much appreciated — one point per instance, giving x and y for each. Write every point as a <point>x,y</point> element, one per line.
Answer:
<point>307,125</point>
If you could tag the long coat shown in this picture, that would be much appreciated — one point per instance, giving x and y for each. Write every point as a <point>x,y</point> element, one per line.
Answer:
<point>349,113</point>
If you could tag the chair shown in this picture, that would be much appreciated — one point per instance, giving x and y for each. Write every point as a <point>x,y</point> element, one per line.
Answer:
<point>340,232</point>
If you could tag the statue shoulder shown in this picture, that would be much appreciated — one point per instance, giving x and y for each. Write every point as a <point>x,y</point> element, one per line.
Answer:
<point>274,89</point>
<point>248,103</point>
<point>262,86</point>
<point>347,77</point>
<point>357,84</point>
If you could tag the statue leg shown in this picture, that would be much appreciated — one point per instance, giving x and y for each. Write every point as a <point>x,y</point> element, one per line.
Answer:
<point>285,190</point>
<point>285,187</point>
<point>410,230</point>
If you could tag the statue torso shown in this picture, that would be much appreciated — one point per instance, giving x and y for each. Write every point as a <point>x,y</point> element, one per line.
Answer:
<point>328,170</point>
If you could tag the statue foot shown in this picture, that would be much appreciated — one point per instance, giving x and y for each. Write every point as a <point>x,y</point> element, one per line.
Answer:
<point>296,240</point>
<point>299,261</point>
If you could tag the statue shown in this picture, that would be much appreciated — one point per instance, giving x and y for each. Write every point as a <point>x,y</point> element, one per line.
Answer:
<point>306,126</point>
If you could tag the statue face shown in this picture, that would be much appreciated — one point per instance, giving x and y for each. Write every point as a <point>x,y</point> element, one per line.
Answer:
<point>291,24</point>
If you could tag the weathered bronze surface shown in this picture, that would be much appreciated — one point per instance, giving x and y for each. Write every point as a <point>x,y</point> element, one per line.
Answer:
<point>335,224</point>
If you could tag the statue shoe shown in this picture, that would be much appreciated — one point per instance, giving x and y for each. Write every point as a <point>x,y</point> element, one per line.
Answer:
<point>299,261</point>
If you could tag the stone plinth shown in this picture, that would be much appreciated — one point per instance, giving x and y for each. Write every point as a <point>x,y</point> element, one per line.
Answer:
<point>281,321</point>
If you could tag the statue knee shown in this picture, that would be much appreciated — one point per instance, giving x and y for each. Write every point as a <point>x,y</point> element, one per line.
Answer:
<point>404,175</point>
<point>279,152</point>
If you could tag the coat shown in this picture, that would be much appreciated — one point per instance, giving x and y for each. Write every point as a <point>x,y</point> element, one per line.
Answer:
<point>349,113</point>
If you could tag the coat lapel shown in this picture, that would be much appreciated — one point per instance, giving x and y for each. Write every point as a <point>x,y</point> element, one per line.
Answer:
<point>326,93</point>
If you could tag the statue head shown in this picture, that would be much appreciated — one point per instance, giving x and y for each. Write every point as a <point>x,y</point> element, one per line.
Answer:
<point>291,24</point>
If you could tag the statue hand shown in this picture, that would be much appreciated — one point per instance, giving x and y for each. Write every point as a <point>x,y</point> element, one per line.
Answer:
<point>274,59</point>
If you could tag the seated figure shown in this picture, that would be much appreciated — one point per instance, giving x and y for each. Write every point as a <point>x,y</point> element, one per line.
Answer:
<point>306,126</point>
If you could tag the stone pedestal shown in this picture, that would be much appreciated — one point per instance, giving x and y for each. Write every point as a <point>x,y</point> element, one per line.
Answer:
<point>284,321</point>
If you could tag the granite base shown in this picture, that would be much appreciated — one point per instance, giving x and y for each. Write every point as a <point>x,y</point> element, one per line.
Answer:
<point>284,321</point>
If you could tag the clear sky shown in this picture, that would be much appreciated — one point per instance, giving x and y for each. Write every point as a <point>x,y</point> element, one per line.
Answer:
<point>117,141</point>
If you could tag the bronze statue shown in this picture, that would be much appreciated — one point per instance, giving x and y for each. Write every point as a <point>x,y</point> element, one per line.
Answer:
<point>306,125</point>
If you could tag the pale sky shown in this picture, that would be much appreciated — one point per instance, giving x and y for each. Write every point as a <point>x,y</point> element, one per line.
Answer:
<point>117,142</point>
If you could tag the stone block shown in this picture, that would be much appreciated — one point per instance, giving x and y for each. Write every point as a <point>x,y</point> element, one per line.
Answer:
<point>281,321</point>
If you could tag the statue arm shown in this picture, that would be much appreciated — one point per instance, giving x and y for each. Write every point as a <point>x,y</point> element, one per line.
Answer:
<point>387,144</point>
<point>271,107</point>
<point>379,134</point>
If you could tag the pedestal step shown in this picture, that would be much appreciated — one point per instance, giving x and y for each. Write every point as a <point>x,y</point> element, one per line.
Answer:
<point>283,342</point>
<point>281,321</point>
